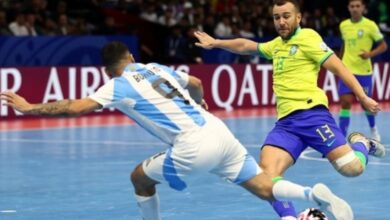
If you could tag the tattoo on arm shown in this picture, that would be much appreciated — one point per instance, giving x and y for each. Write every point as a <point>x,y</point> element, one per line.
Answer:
<point>59,108</point>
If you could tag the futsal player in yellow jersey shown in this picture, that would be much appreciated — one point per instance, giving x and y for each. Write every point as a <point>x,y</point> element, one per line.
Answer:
<point>359,34</point>
<point>303,116</point>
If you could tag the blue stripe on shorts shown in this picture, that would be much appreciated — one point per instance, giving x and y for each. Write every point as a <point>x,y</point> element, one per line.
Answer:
<point>248,171</point>
<point>170,174</point>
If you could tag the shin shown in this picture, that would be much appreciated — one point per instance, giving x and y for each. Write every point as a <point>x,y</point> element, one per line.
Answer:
<point>145,194</point>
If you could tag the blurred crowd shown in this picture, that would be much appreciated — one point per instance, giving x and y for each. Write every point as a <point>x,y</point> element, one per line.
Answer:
<point>171,22</point>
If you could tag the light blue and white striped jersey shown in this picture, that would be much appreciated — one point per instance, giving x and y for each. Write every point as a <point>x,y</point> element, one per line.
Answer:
<point>153,96</point>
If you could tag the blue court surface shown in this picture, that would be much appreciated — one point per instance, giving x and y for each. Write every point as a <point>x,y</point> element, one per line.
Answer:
<point>83,173</point>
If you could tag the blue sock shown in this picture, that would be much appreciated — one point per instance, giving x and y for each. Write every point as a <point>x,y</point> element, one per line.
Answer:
<point>361,152</point>
<point>284,208</point>
<point>344,120</point>
<point>371,119</point>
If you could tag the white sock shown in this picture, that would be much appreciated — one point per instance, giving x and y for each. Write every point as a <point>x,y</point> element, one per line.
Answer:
<point>149,207</point>
<point>284,190</point>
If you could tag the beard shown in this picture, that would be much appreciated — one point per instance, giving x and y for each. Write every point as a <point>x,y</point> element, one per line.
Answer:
<point>286,33</point>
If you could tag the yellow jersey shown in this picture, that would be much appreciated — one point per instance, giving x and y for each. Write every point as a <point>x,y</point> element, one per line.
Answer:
<point>296,64</point>
<point>359,36</point>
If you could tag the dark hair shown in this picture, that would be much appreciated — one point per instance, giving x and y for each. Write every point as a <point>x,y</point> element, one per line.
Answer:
<point>282,2</point>
<point>112,53</point>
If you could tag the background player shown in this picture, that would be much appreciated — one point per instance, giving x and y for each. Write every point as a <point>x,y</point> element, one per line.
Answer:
<point>358,33</point>
<point>302,108</point>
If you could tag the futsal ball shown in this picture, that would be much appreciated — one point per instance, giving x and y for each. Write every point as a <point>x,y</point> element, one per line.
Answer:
<point>312,214</point>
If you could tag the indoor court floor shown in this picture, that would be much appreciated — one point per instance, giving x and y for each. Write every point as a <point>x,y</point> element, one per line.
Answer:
<point>68,169</point>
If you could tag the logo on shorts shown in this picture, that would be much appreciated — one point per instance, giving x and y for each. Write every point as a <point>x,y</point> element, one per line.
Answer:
<point>329,144</point>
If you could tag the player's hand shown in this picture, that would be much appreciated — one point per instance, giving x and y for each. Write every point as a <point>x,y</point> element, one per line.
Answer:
<point>204,105</point>
<point>205,40</point>
<point>15,101</point>
<point>370,105</point>
<point>365,55</point>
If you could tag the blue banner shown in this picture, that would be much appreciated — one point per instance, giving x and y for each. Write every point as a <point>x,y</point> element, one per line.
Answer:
<point>58,51</point>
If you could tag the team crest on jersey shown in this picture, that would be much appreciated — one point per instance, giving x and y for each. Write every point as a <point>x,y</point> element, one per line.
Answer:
<point>360,33</point>
<point>293,50</point>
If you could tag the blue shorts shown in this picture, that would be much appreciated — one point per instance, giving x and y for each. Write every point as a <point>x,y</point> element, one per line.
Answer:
<point>313,127</point>
<point>365,82</point>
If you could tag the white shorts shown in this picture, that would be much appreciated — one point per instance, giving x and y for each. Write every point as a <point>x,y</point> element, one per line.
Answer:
<point>212,148</point>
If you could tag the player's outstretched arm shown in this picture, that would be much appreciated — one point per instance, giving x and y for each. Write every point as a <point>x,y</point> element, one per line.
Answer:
<point>239,45</point>
<point>334,64</point>
<point>63,108</point>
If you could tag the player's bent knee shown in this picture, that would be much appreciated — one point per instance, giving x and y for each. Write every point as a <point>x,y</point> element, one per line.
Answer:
<point>140,180</point>
<point>349,165</point>
<point>135,176</point>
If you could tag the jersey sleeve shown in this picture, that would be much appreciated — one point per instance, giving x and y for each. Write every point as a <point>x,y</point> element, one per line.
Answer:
<point>265,49</point>
<point>315,48</point>
<point>376,34</point>
<point>104,95</point>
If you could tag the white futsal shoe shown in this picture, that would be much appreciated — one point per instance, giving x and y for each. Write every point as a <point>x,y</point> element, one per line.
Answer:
<point>339,208</point>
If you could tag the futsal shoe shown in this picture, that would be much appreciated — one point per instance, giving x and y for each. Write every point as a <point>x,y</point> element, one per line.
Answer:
<point>374,147</point>
<point>339,208</point>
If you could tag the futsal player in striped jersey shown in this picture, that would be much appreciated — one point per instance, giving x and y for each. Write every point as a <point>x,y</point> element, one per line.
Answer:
<point>359,34</point>
<point>302,108</point>
<point>154,96</point>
